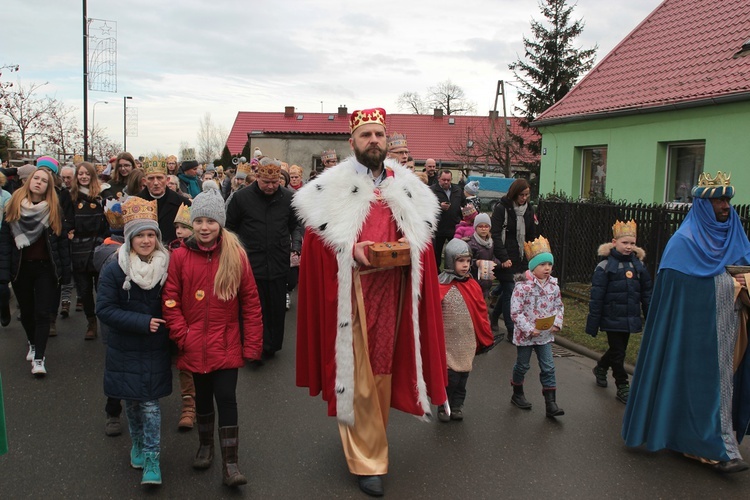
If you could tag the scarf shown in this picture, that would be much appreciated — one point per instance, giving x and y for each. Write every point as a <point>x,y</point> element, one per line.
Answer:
<point>520,226</point>
<point>485,243</point>
<point>145,274</point>
<point>34,220</point>
<point>84,191</point>
<point>193,186</point>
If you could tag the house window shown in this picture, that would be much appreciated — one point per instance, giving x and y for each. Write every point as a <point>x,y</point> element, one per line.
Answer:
<point>684,165</point>
<point>594,172</point>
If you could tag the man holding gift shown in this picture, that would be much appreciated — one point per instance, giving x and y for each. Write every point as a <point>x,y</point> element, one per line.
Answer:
<point>369,338</point>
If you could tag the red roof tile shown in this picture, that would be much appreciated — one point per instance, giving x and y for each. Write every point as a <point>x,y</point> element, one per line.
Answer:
<point>682,52</point>
<point>427,136</point>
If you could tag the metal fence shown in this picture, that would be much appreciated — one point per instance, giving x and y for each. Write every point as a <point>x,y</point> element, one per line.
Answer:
<point>576,229</point>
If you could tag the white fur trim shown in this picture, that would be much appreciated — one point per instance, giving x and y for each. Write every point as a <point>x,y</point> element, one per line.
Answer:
<point>335,206</point>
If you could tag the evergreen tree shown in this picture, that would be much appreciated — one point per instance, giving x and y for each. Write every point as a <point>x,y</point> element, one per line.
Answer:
<point>551,66</point>
<point>226,159</point>
<point>247,151</point>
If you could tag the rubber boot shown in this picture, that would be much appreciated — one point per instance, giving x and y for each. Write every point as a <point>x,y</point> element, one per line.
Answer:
<point>187,389</point>
<point>518,398</point>
<point>205,454</point>
<point>91,328</point>
<point>549,400</point>
<point>229,442</point>
<point>136,453</point>
<point>151,468</point>
<point>53,325</point>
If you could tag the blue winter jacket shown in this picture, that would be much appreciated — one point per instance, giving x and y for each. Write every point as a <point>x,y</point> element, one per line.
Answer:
<point>620,289</point>
<point>138,365</point>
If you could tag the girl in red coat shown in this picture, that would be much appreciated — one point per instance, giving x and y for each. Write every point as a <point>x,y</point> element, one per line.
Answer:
<point>209,286</point>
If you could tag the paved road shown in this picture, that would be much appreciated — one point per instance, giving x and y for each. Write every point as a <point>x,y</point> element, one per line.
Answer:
<point>290,449</point>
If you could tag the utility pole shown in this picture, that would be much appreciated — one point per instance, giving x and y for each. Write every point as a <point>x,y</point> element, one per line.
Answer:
<point>85,83</point>
<point>493,116</point>
<point>125,122</point>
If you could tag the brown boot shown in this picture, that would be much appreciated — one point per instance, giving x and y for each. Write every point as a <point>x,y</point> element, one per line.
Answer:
<point>187,389</point>
<point>53,325</point>
<point>229,442</point>
<point>91,328</point>
<point>205,454</point>
<point>65,309</point>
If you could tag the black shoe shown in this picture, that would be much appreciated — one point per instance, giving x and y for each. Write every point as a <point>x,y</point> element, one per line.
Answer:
<point>519,398</point>
<point>457,413</point>
<point>372,485</point>
<point>734,465</point>
<point>266,355</point>
<point>5,314</point>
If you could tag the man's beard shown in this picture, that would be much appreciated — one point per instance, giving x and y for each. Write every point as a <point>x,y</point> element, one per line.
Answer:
<point>372,158</point>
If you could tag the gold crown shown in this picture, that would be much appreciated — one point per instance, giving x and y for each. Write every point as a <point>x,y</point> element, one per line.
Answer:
<point>245,168</point>
<point>183,216</point>
<point>364,116</point>
<point>269,170</point>
<point>135,208</point>
<point>713,187</point>
<point>534,248</point>
<point>721,179</point>
<point>113,213</point>
<point>77,159</point>
<point>396,141</point>
<point>621,229</point>
<point>188,154</point>
<point>329,154</point>
<point>171,158</point>
<point>155,165</point>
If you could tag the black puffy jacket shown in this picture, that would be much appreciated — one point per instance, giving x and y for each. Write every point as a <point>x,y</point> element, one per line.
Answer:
<point>620,289</point>
<point>10,256</point>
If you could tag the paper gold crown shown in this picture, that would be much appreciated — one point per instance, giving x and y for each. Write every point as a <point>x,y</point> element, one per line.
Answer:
<point>364,116</point>
<point>136,208</point>
<point>534,248</point>
<point>113,213</point>
<point>244,168</point>
<point>622,229</point>
<point>329,154</point>
<point>155,165</point>
<point>396,141</point>
<point>171,158</point>
<point>188,154</point>
<point>269,170</point>
<point>183,216</point>
<point>714,187</point>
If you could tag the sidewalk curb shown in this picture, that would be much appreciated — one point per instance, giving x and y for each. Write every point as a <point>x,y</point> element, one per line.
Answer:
<point>585,351</point>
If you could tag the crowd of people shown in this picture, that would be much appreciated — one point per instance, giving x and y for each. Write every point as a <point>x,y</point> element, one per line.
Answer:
<point>402,280</point>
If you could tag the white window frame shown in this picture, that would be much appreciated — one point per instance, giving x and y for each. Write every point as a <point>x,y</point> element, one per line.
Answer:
<point>688,185</point>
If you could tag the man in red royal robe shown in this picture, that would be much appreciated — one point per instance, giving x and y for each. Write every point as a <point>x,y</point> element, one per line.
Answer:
<point>369,338</point>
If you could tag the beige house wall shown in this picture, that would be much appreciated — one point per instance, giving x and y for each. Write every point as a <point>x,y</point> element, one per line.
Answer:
<point>300,150</point>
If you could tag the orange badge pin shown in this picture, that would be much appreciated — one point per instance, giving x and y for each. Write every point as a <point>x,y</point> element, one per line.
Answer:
<point>199,295</point>
<point>92,205</point>
<point>170,303</point>
<point>80,205</point>
<point>629,274</point>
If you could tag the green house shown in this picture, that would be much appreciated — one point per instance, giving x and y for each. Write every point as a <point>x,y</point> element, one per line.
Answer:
<point>670,101</point>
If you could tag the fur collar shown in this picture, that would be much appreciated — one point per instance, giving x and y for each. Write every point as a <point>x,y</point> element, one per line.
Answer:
<point>335,206</point>
<point>605,248</point>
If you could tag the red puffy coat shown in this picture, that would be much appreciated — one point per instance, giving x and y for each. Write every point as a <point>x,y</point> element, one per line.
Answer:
<point>206,329</point>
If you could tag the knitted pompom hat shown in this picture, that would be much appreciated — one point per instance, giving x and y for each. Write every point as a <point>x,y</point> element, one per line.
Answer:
<point>209,204</point>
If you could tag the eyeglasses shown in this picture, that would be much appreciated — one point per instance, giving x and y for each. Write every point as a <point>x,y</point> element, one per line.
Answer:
<point>124,165</point>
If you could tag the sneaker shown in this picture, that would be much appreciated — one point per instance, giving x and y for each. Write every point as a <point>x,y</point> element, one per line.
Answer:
<point>601,375</point>
<point>288,302</point>
<point>623,391</point>
<point>79,305</point>
<point>65,309</point>
<point>442,416</point>
<point>31,353</point>
<point>457,413</point>
<point>37,368</point>
<point>112,426</point>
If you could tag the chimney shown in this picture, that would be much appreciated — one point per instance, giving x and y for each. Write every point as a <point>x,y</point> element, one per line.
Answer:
<point>288,111</point>
<point>493,114</point>
<point>437,113</point>
<point>343,113</point>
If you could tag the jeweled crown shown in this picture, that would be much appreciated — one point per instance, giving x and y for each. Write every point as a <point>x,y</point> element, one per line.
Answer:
<point>183,216</point>
<point>269,169</point>
<point>329,154</point>
<point>534,248</point>
<point>396,141</point>
<point>364,116</point>
<point>622,229</point>
<point>137,208</point>
<point>155,165</point>
<point>113,214</point>
<point>714,187</point>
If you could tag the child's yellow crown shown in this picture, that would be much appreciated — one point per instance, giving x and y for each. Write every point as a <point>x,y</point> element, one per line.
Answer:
<point>621,229</point>
<point>534,248</point>
<point>137,208</point>
<point>183,216</point>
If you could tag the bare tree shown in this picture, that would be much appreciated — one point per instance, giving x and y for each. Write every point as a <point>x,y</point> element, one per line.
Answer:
<point>450,98</point>
<point>411,102</point>
<point>491,147</point>
<point>61,133</point>
<point>211,139</point>
<point>25,114</point>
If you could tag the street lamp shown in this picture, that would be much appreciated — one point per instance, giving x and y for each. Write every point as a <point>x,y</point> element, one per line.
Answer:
<point>93,125</point>
<point>125,122</point>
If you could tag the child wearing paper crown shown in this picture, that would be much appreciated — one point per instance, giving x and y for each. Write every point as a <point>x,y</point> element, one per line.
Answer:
<point>620,289</point>
<point>537,311</point>
<point>467,325</point>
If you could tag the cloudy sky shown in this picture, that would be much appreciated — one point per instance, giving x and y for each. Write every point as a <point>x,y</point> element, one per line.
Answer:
<point>180,60</point>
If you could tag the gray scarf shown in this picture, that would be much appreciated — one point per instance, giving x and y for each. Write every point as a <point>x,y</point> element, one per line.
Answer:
<point>520,225</point>
<point>30,227</point>
<point>485,243</point>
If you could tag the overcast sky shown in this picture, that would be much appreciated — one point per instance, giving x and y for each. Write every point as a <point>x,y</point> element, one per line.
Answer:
<point>179,60</point>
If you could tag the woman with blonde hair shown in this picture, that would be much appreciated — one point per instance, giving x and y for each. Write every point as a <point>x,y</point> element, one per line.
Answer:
<point>34,256</point>
<point>90,230</point>
<point>212,309</point>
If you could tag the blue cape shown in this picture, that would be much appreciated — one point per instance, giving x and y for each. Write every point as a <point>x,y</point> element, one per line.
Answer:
<point>702,246</point>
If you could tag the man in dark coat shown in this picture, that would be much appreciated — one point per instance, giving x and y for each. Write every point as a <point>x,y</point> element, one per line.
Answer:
<point>451,199</point>
<point>167,201</point>
<point>263,218</point>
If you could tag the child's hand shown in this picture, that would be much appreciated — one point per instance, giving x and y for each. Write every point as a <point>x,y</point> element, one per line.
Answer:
<point>154,324</point>
<point>535,332</point>
<point>555,329</point>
